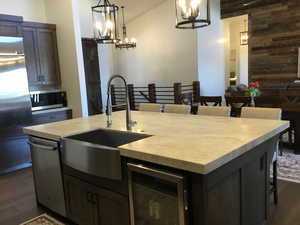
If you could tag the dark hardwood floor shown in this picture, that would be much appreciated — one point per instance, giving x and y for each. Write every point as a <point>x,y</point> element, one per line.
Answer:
<point>18,204</point>
<point>17,198</point>
<point>287,212</point>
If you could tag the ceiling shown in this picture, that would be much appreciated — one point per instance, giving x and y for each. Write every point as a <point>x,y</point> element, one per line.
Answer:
<point>135,8</point>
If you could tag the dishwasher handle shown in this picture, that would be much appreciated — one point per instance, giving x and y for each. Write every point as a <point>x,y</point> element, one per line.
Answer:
<point>44,147</point>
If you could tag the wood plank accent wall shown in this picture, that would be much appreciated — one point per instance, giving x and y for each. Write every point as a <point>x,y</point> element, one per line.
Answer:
<point>273,45</point>
<point>274,39</point>
<point>231,8</point>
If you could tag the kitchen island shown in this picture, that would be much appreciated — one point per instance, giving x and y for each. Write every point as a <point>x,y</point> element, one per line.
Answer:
<point>216,169</point>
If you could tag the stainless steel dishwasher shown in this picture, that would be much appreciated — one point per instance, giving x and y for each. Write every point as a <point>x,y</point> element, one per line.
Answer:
<point>47,174</point>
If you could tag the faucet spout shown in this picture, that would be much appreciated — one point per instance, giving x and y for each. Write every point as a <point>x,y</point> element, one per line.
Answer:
<point>109,106</point>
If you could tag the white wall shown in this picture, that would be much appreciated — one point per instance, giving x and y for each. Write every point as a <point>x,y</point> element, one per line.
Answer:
<point>244,70</point>
<point>211,53</point>
<point>163,55</point>
<point>65,14</point>
<point>86,21</point>
<point>31,10</point>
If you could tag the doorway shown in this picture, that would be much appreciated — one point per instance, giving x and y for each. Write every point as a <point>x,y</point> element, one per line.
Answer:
<point>236,50</point>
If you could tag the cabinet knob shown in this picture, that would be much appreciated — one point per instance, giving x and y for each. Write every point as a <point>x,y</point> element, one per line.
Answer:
<point>89,196</point>
<point>95,199</point>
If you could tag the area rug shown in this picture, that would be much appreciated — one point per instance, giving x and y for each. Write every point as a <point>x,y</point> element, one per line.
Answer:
<point>42,220</point>
<point>289,167</point>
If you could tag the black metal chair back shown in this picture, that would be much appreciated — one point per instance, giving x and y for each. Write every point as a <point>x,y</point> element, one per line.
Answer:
<point>207,100</point>
<point>237,103</point>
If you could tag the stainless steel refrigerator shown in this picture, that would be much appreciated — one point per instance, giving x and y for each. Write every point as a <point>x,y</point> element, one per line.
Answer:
<point>15,105</point>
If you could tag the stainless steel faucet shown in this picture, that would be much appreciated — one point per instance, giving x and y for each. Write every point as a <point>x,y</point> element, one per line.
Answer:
<point>109,106</point>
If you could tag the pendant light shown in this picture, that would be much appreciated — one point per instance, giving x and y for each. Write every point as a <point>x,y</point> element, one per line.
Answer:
<point>125,42</point>
<point>244,35</point>
<point>105,17</point>
<point>192,14</point>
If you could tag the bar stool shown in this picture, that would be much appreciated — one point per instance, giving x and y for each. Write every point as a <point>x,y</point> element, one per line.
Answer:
<point>214,111</point>
<point>150,107</point>
<point>269,114</point>
<point>180,109</point>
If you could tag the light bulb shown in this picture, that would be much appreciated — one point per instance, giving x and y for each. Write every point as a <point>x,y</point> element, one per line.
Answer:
<point>126,40</point>
<point>98,26</point>
<point>133,40</point>
<point>182,5</point>
<point>195,8</point>
<point>195,4</point>
<point>109,25</point>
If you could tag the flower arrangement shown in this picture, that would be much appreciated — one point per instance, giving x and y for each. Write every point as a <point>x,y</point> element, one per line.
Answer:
<point>254,89</point>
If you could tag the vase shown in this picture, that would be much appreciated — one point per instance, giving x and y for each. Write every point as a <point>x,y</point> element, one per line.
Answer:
<point>252,104</point>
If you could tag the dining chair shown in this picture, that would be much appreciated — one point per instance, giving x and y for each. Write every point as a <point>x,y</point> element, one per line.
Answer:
<point>214,111</point>
<point>275,101</point>
<point>237,103</point>
<point>268,101</point>
<point>180,109</point>
<point>207,100</point>
<point>150,107</point>
<point>268,114</point>
<point>291,107</point>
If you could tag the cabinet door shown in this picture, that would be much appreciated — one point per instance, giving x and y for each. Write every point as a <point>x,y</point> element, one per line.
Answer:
<point>90,205</point>
<point>255,187</point>
<point>48,55</point>
<point>80,208</point>
<point>32,55</point>
<point>112,208</point>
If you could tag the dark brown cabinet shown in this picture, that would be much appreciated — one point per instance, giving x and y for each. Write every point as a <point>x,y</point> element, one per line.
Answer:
<point>90,205</point>
<point>254,203</point>
<point>31,53</point>
<point>10,25</point>
<point>42,62</point>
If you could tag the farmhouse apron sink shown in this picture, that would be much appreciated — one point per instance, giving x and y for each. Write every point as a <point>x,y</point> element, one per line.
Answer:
<point>96,152</point>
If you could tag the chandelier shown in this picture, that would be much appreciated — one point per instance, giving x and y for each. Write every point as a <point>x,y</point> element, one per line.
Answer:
<point>244,35</point>
<point>126,42</point>
<point>105,17</point>
<point>192,14</point>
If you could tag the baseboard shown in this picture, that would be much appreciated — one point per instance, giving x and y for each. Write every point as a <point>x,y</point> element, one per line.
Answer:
<point>15,168</point>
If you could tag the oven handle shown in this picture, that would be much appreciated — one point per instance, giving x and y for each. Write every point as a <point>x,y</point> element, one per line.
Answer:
<point>45,147</point>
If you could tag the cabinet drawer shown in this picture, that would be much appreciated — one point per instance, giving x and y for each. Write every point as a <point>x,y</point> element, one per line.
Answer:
<point>10,29</point>
<point>50,117</point>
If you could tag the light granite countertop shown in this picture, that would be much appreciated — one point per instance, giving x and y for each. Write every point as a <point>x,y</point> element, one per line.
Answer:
<point>193,143</point>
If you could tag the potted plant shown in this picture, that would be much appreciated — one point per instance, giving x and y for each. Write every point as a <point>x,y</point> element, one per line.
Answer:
<point>254,91</point>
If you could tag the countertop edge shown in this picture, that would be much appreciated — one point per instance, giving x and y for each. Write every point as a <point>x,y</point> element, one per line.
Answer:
<point>175,162</point>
